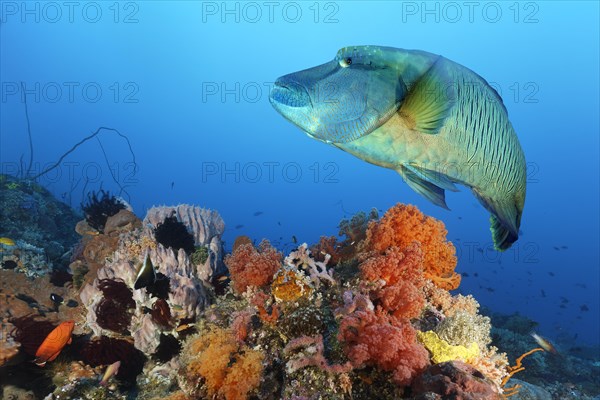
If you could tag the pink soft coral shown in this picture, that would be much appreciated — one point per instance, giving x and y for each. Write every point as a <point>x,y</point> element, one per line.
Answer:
<point>399,275</point>
<point>389,343</point>
<point>403,224</point>
<point>250,266</point>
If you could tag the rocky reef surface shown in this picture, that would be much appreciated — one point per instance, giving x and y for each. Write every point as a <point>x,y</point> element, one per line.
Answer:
<point>162,313</point>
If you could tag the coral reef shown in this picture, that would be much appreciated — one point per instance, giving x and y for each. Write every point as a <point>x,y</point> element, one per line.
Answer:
<point>176,294</point>
<point>206,227</point>
<point>38,223</point>
<point>99,207</point>
<point>375,338</point>
<point>228,370</point>
<point>454,380</point>
<point>368,316</point>
<point>251,266</point>
<point>9,347</point>
<point>442,351</point>
<point>403,224</point>
<point>174,235</point>
<point>397,278</point>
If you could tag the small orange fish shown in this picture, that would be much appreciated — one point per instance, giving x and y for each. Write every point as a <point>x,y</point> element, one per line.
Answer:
<point>544,343</point>
<point>54,343</point>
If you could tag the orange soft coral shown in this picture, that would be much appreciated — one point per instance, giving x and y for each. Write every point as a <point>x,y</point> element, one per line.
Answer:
<point>250,266</point>
<point>230,371</point>
<point>403,224</point>
<point>389,343</point>
<point>399,277</point>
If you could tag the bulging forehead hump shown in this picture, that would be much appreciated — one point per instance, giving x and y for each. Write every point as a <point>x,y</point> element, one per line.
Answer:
<point>376,55</point>
<point>358,51</point>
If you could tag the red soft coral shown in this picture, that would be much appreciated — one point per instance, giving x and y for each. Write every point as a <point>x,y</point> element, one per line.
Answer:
<point>249,266</point>
<point>402,276</point>
<point>403,224</point>
<point>389,343</point>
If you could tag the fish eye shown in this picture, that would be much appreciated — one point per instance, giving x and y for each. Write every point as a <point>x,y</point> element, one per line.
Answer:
<point>345,62</point>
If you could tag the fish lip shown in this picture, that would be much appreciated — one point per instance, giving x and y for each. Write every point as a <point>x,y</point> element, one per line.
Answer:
<point>285,90</point>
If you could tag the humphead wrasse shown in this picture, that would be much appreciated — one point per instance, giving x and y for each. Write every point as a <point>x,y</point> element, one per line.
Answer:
<point>435,122</point>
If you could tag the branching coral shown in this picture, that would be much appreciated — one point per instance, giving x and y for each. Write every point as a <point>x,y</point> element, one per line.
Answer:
<point>308,351</point>
<point>518,367</point>
<point>301,258</point>
<point>389,343</point>
<point>399,277</point>
<point>403,224</point>
<point>229,371</point>
<point>250,266</point>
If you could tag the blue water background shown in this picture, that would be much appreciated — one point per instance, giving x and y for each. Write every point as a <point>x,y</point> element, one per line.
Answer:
<point>188,83</point>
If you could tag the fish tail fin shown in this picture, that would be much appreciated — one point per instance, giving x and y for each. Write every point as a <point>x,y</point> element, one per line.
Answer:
<point>502,236</point>
<point>39,362</point>
<point>505,219</point>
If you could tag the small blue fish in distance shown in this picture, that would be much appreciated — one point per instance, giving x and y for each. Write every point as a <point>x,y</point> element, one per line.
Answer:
<point>435,122</point>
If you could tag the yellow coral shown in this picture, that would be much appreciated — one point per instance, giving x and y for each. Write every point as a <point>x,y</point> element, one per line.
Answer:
<point>290,285</point>
<point>442,351</point>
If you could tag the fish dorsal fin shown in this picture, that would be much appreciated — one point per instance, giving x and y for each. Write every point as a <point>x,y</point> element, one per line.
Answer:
<point>430,191</point>
<point>427,104</point>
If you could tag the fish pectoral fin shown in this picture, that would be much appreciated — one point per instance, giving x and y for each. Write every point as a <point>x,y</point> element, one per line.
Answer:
<point>430,191</point>
<point>435,177</point>
<point>427,104</point>
<point>504,221</point>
